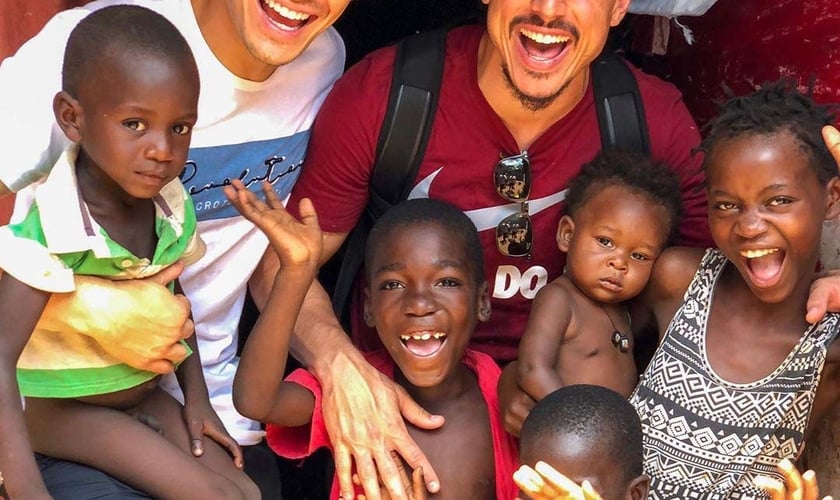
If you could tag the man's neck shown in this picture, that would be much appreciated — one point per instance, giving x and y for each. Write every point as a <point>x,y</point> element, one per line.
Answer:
<point>217,28</point>
<point>524,124</point>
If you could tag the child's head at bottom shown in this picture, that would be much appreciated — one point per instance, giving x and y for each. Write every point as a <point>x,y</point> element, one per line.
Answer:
<point>621,211</point>
<point>588,432</point>
<point>771,182</point>
<point>426,287</point>
<point>129,97</point>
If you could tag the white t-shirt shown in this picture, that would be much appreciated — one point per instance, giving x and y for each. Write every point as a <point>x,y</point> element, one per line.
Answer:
<point>246,130</point>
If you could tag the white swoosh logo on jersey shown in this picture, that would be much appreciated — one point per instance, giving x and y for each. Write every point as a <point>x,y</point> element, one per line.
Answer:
<point>488,218</point>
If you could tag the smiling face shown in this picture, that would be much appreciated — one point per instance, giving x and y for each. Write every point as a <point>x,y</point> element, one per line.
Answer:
<point>612,242</point>
<point>543,47</point>
<point>275,32</point>
<point>133,120</point>
<point>424,300</point>
<point>766,210</point>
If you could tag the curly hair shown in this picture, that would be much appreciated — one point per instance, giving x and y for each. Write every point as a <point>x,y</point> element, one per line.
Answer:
<point>636,172</point>
<point>774,108</point>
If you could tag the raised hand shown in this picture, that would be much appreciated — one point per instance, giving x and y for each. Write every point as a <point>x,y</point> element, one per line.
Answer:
<point>296,242</point>
<point>796,486</point>
<point>544,482</point>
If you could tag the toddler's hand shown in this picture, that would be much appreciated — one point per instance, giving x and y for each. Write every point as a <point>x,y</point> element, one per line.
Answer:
<point>543,482</point>
<point>797,486</point>
<point>296,242</point>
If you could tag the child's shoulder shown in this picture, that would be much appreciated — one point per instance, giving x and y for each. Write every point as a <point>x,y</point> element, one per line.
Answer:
<point>560,289</point>
<point>672,273</point>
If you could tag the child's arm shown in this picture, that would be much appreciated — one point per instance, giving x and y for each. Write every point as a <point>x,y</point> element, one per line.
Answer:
<point>199,415</point>
<point>258,388</point>
<point>672,273</point>
<point>541,343</point>
<point>20,308</point>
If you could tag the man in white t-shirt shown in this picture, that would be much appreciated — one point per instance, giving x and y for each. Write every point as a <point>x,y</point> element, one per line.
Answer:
<point>265,68</point>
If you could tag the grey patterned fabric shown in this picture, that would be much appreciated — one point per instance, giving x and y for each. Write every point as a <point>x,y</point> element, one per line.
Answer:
<point>706,438</point>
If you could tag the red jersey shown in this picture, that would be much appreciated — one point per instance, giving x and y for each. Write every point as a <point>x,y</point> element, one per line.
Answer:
<point>467,140</point>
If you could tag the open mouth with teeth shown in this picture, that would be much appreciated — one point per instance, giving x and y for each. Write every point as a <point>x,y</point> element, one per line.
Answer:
<point>423,344</point>
<point>764,264</point>
<point>284,16</point>
<point>542,47</point>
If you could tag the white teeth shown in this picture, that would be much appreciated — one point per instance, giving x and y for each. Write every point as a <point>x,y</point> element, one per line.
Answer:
<point>543,38</point>
<point>286,12</point>
<point>754,254</point>
<point>422,336</point>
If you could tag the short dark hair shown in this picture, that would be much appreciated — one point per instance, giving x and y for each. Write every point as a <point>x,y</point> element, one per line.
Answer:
<point>593,413</point>
<point>429,211</point>
<point>634,171</point>
<point>120,31</point>
<point>776,107</point>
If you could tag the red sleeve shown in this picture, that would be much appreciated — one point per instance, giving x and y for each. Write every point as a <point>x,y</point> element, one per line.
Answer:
<point>301,441</point>
<point>674,137</point>
<point>341,149</point>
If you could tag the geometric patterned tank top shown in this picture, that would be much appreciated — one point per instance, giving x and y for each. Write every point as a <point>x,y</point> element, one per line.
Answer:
<point>706,438</point>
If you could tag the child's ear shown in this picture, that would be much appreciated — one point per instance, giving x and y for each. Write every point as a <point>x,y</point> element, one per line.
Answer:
<point>366,314</point>
<point>833,198</point>
<point>67,112</point>
<point>638,488</point>
<point>565,231</point>
<point>483,312</point>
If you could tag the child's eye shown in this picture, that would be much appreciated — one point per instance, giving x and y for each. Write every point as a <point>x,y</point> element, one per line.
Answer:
<point>182,129</point>
<point>135,125</point>
<point>391,285</point>
<point>603,241</point>
<point>780,200</point>
<point>639,256</point>
<point>725,205</point>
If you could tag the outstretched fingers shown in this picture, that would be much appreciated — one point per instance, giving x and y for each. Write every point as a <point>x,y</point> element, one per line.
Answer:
<point>831,136</point>
<point>244,201</point>
<point>307,213</point>
<point>796,486</point>
<point>271,198</point>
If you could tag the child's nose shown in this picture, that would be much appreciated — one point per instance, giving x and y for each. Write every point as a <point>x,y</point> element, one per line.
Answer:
<point>419,303</point>
<point>159,147</point>
<point>618,261</point>
<point>750,224</point>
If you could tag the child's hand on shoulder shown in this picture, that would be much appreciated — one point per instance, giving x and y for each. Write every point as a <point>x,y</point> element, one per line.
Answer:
<point>296,242</point>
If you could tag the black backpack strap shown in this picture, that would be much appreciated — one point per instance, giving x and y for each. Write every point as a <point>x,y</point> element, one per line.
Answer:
<point>412,102</point>
<point>621,115</point>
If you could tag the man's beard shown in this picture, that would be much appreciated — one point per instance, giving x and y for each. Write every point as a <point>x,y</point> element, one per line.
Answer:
<point>530,102</point>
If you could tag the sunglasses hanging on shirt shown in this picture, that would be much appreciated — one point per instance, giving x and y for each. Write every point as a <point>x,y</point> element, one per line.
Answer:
<point>512,179</point>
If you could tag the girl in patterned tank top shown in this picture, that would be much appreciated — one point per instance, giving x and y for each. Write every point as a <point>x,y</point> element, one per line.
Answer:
<point>740,376</point>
